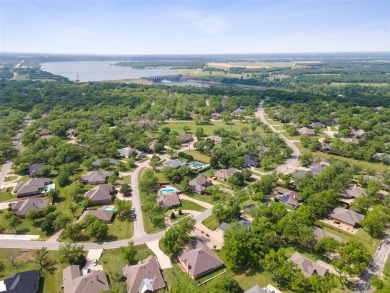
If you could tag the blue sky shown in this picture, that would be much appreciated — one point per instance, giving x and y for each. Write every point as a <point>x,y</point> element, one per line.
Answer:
<point>194,27</point>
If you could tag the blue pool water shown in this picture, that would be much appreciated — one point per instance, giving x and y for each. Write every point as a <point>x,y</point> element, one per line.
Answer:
<point>122,150</point>
<point>109,209</point>
<point>196,165</point>
<point>167,190</point>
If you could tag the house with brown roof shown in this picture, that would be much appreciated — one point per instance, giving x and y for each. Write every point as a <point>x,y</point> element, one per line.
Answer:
<point>43,133</point>
<point>307,266</point>
<point>199,184</point>
<point>31,187</point>
<point>185,138</point>
<point>358,133</point>
<point>306,131</point>
<point>216,116</point>
<point>350,140</point>
<point>102,194</point>
<point>287,196</point>
<point>144,276</point>
<point>197,259</point>
<point>321,233</point>
<point>168,200</point>
<point>96,177</point>
<point>347,217</point>
<point>353,192</point>
<point>101,214</point>
<point>22,207</point>
<point>75,282</point>
<point>224,174</point>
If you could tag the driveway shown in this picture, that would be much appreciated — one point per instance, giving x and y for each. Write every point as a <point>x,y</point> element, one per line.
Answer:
<point>93,254</point>
<point>4,172</point>
<point>163,259</point>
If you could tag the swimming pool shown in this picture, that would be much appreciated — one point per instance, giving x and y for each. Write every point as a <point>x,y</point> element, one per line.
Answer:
<point>196,165</point>
<point>108,208</point>
<point>167,190</point>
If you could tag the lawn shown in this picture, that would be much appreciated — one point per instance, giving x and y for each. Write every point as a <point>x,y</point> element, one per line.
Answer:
<point>189,205</point>
<point>209,198</point>
<point>211,222</point>
<point>7,195</point>
<point>50,283</point>
<point>124,179</point>
<point>386,269</point>
<point>120,229</point>
<point>160,176</point>
<point>175,275</point>
<point>361,236</point>
<point>10,178</point>
<point>26,227</point>
<point>199,156</point>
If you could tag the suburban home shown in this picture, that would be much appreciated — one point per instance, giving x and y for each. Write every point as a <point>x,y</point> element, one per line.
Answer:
<point>353,192</point>
<point>128,152</point>
<point>102,194</point>
<point>347,217</point>
<point>217,139</point>
<point>75,282</point>
<point>325,146</point>
<point>176,163</point>
<point>216,116</point>
<point>101,214</point>
<point>256,289</point>
<point>98,163</point>
<point>321,233</point>
<point>317,124</point>
<point>168,200</point>
<point>23,282</point>
<point>307,266</point>
<point>34,170</point>
<point>192,114</point>
<point>287,196</point>
<point>251,160</point>
<point>43,133</point>
<point>144,276</point>
<point>300,174</point>
<point>306,131</point>
<point>381,157</point>
<point>22,207</point>
<point>31,187</point>
<point>71,132</point>
<point>358,133</point>
<point>197,259</point>
<point>317,168</point>
<point>350,140</point>
<point>146,123</point>
<point>96,177</point>
<point>223,226</point>
<point>224,174</point>
<point>185,138</point>
<point>199,184</point>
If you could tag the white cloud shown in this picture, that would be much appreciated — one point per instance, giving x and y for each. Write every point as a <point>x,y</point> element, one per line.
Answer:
<point>206,22</point>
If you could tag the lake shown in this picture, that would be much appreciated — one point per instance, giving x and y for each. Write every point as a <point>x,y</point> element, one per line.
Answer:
<point>99,70</point>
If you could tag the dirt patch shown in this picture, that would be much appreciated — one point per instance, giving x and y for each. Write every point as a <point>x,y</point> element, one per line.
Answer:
<point>26,255</point>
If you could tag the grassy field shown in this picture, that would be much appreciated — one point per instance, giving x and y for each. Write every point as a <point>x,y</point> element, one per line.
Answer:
<point>211,222</point>
<point>121,229</point>
<point>199,156</point>
<point>189,205</point>
<point>10,178</point>
<point>374,84</point>
<point>50,282</point>
<point>361,236</point>
<point>175,275</point>
<point>7,195</point>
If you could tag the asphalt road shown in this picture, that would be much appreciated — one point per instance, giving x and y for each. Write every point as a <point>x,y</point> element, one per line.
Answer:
<point>296,153</point>
<point>376,265</point>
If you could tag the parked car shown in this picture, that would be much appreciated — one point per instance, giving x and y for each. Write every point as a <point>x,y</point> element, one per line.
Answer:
<point>94,262</point>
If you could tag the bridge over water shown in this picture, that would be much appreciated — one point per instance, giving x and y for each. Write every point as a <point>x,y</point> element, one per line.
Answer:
<point>159,78</point>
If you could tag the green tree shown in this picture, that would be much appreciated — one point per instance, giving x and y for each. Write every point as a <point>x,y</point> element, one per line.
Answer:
<point>97,229</point>
<point>354,258</point>
<point>43,260</point>
<point>125,189</point>
<point>155,162</point>
<point>177,236</point>
<point>129,252</point>
<point>61,221</point>
<point>32,215</point>
<point>72,254</point>
<point>73,231</point>
<point>123,209</point>
<point>199,133</point>
<point>13,220</point>
<point>224,284</point>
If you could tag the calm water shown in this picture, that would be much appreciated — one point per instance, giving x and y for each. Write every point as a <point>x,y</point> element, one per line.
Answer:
<point>99,70</point>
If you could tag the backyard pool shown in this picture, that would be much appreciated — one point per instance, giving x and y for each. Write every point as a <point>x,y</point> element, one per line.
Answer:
<point>167,190</point>
<point>108,208</point>
<point>196,165</point>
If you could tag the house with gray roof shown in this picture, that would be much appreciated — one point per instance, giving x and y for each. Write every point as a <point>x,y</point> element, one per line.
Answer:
<point>321,233</point>
<point>317,168</point>
<point>199,184</point>
<point>287,196</point>
<point>98,163</point>
<point>75,282</point>
<point>144,276</point>
<point>102,194</point>
<point>307,266</point>
<point>31,187</point>
<point>197,259</point>
<point>251,160</point>
<point>168,200</point>
<point>129,152</point>
<point>224,174</point>
<point>317,124</point>
<point>256,289</point>
<point>22,207</point>
<point>176,163</point>
<point>347,217</point>
<point>96,177</point>
<point>306,131</point>
<point>185,138</point>
<point>22,282</point>
<point>353,192</point>
<point>34,170</point>
<point>223,226</point>
<point>104,215</point>
<point>358,133</point>
<point>300,174</point>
